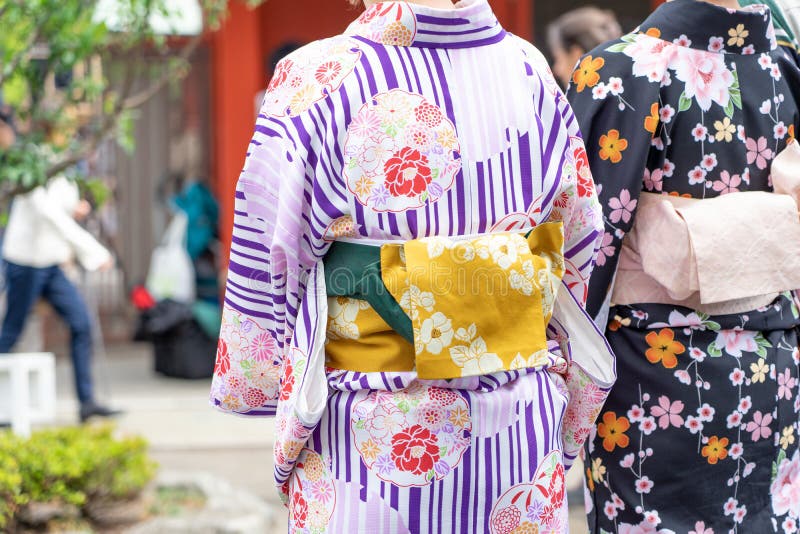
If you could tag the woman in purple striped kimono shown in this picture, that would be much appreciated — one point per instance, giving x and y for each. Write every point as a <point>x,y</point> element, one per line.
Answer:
<point>425,131</point>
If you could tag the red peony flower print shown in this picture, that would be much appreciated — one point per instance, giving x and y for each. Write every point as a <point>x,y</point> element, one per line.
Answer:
<point>367,16</point>
<point>299,510</point>
<point>255,398</point>
<point>407,173</point>
<point>415,450</point>
<point>556,488</point>
<point>327,72</point>
<point>287,382</point>
<point>429,114</point>
<point>223,364</point>
<point>506,520</point>
<point>280,75</point>
<point>585,182</point>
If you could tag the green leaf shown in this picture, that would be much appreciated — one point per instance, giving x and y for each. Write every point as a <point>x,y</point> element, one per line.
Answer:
<point>684,103</point>
<point>617,48</point>
<point>403,406</point>
<point>729,109</point>
<point>714,351</point>
<point>712,325</point>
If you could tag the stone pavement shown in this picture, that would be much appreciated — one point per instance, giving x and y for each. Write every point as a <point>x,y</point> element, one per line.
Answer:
<point>186,435</point>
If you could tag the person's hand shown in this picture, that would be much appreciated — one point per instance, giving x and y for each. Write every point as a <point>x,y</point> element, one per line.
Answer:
<point>82,211</point>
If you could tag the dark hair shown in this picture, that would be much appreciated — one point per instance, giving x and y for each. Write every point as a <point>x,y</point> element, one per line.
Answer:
<point>585,27</point>
<point>283,50</point>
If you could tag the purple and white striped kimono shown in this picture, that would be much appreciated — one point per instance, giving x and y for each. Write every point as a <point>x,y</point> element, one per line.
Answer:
<point>416,122</point>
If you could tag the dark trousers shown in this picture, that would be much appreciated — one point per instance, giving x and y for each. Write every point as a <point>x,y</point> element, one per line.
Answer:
<point>25,285</point>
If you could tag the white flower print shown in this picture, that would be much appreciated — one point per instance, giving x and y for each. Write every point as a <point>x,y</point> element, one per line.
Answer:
<point>683,41</point>
<point>700,132</point>
<point>780,130</point>
<point>694,424</point>
<point>436,333</point>
<point>475,360</point>
<point>600,91</point>
<point>614,85</point>
<point>666,113</point>
<point>709,162</point>
<point>669,168</point>
<point>706,76</point>
<point>697,175</point>
<point>716,44</point>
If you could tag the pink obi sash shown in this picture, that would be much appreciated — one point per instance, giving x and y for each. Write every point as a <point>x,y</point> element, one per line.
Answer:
<point>722,255</point>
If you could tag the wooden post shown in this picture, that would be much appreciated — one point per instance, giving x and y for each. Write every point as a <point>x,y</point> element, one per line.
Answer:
<point>237,76</point>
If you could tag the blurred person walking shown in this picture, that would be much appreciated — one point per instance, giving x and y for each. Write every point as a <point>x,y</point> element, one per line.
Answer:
<point>41,235</point>
<point>683,120</point>
<point>576,32</point>
<point>424,138</point>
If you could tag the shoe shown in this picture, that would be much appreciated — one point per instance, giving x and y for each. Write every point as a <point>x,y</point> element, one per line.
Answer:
<point>90,409</point>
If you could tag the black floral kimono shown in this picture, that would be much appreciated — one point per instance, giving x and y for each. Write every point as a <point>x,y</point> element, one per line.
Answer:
<point>700,433</point>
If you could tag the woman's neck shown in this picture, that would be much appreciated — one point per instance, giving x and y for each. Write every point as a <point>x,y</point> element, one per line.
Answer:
<point>438,4</point>
<point>731,4</point>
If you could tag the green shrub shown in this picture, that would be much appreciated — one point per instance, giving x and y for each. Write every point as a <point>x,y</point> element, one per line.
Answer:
<point>10,480</point>
<point>70,465</point>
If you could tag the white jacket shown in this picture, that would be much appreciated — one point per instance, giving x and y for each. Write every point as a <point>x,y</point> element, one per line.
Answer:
<point>41,231</point>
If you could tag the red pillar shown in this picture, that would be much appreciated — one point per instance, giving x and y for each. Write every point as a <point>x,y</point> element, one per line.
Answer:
<point>237,75</point>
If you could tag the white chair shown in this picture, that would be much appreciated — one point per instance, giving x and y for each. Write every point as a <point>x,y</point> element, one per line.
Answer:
<point>27,390</point>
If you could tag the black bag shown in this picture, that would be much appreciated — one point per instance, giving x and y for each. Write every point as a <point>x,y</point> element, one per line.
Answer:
<point>181,348</point>
<point>185,351</point>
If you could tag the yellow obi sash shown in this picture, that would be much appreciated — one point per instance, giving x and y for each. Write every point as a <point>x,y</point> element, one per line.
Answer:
<point>475,305</point>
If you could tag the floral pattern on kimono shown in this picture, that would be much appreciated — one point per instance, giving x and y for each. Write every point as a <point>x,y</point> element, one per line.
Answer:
<point>399,139</point>
<point>696,103</point>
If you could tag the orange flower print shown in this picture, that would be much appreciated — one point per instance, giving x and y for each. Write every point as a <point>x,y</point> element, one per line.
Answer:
<point>653,32</point>
<point>791,133</point>
<point>664,348</point>
<point>586,74</point>
<point>716,449</point>
<point>612,146</point>
<point>589,481</point>
<point>612,430</point>
<point>651,121</point>
<point>396,34</point>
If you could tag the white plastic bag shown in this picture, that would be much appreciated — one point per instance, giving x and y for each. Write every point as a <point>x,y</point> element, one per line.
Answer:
<point>171,274</point>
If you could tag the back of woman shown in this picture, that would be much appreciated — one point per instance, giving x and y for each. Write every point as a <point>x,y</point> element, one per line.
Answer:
<point>394,170</point>
<point>683,119</point>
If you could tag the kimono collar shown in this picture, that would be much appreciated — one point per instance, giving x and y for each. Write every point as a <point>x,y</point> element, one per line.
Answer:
<point>705,26</point>
<point>470,23</point>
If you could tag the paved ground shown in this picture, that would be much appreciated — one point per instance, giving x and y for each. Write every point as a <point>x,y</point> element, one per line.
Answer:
<point>186,434</point>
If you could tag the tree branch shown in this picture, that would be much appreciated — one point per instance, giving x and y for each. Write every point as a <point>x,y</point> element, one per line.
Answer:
<point>12,65</point>
<point>143,96</point>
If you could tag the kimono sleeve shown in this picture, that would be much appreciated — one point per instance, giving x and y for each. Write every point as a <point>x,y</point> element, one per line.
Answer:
<point>274,247</point>
<point>583,226</point>
<point>575,202</point>
<point>618,116</point>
